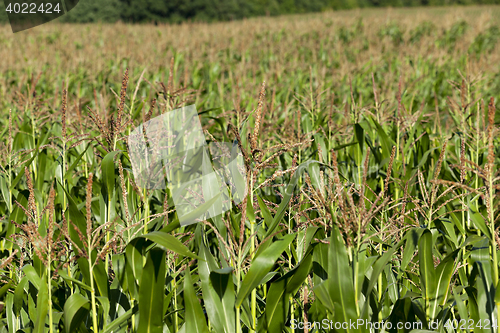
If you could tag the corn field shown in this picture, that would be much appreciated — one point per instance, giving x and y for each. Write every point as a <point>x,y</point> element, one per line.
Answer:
<point>370,147</point>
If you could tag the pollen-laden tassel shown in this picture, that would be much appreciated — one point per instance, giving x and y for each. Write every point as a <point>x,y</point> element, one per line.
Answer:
<point>462,95</point>
<point>294,164</point>
<point>123,94</point>
<point>258,116</point>
<point>353,103</point>
<point>346,113</point>
<point>491,152</point>
<point>6,262</point>
<point>363,183</point>
<point>365,167</point>
<point>33,86</point>
<point>96,119</point>
<point>320,154</point>
<point>31,198</point>
<point>462,161</point>
<point>111,133</point>
<point>389,170</point>
<point>440,161</point>
<point>299,122</point>
<point>64,109</point>
<point>405,198</point>
<point>330,114</point>
<point>491,124</point>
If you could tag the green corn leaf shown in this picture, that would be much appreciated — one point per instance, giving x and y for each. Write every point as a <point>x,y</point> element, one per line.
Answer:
<point>99,274</point>
<point>340,282</point>
<point>9,313</point>
<point>426,265</point>
<point>69,173</point>
<point>313,171</point>
<point>212,300</point>
<point>25,165</point>
<point>497,293</point>
<point>119,265</point>
<point>105,308</point>
<point>461,307</point>
<point>411,243</point>
<point>472,305</point>
<point>5,191</point>
<point>65,277</point>
<point>424,158</point>
<point>485,294</point>
<point>304,239</point>
<point>222,282</point>
<point>276,302</point>
<point>134,263</point>
<point>261,265</point>
<point>76,309</point>
<point>33,276</point>
<point>321,292</point>
<point>169,242</point>
<point>101,278</point>
<point>276,311</point>
<point>151,293</point>
<point>171,226</point>
<point>200,210</point>
<point>220,122</point>
<point>42,308</point>
<point>481,254</point>
<point>268,218</point>
<point>76,217</point>
<point>378,267</point>
<point>5,288</point>
<point>386,142</point>
<point>392,288</point>
<point>479,222</point>
<point>195,319</point>
<point>210,185</point>
<point>299,273</point>
<point>442,282</point>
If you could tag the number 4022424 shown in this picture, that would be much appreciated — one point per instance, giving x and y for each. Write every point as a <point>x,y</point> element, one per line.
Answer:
<point>33,8</point>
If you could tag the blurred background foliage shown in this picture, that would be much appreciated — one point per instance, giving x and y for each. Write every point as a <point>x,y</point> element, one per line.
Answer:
<point>176,11</point>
